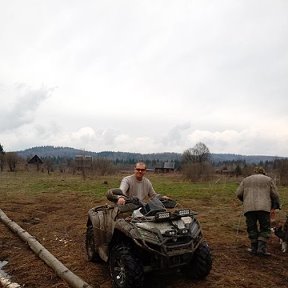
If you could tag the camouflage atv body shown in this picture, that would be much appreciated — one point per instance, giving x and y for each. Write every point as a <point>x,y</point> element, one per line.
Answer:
<point>135,239</point>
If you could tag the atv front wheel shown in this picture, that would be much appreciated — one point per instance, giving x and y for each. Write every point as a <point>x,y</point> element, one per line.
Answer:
<point>126,268</point>
<point>201,264</point>
<point>90,245</point>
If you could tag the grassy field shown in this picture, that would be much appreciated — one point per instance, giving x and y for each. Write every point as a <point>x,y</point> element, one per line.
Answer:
<point>11,184</point>
<point>219,192</point>
<point>60,203</point>
<point>214,199</point>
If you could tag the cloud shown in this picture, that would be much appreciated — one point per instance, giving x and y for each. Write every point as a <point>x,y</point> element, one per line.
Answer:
<point>19,105</point>
<point>145,76</point>
<point>175,135</point>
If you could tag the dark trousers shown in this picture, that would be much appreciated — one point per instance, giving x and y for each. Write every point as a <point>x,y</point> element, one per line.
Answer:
<point>258,225</point>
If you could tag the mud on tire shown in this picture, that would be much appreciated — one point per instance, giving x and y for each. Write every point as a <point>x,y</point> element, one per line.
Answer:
<point>126,268</point>
<point>201,263</point>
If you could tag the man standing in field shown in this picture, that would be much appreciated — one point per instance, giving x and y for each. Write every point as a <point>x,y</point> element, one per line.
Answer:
<point>135,185</point>
<point>259,195</point>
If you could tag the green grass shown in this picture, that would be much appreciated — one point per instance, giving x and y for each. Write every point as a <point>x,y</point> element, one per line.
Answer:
<point>219,192</point>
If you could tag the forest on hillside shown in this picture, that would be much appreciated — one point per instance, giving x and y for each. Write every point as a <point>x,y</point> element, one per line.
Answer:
<point>68,152</point>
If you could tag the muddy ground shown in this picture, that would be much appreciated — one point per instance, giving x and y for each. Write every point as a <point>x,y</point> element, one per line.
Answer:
<point>59,224</point>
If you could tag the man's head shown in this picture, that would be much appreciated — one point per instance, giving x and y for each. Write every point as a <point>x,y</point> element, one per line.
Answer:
<point>259,170</point>
<point>140,169</point>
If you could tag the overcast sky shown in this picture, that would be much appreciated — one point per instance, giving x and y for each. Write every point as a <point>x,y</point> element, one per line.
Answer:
<point>145,76</point>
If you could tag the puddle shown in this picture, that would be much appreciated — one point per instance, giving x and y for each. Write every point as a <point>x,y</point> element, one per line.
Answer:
<point>2,273</point>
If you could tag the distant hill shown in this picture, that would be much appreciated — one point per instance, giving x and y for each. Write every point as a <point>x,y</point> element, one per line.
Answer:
<point>68,152</point>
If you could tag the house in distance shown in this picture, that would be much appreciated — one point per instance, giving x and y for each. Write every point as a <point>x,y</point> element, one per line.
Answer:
<point>165,167</point>
<point>35,161</point>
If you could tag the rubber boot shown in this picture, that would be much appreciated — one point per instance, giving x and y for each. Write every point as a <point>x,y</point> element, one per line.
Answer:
<point>262,249</point>
<point>253,249</point>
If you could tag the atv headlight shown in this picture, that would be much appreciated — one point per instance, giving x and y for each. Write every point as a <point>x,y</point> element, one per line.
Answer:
<point>162,216</point>
<point>183,212</point>
<point>184,231</point>
<point>170,233</point>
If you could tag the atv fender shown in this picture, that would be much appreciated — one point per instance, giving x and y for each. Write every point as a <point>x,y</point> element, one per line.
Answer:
<point>103,222</point>
<point>127,229</point>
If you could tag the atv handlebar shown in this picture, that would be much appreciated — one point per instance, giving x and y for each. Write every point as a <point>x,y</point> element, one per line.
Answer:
<point>133,200</point>
<point>113,196</point>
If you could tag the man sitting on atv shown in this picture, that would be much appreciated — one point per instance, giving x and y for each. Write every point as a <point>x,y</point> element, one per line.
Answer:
<point>135,185</point>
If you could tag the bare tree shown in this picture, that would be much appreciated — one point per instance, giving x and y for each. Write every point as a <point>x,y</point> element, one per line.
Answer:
<point>2,158</point>
<point>282,168</point>
<point>195,163</point>
<point>198,171</point>
<point>11,159</point>
<point>48,163</point>
<point>198,154</point>
<point>103,167</point>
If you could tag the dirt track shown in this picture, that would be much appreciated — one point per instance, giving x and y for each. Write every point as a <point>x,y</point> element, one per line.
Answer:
<point>58,223</point>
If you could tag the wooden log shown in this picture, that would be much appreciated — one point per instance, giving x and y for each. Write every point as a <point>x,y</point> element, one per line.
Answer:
<point>62,271</point>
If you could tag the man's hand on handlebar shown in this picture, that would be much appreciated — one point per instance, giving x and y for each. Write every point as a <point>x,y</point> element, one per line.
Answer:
<point>121,200</point>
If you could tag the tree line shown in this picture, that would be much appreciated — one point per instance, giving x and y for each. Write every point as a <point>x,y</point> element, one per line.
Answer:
<point>195,164</point>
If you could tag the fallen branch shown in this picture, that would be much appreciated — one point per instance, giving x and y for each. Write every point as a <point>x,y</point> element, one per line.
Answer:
<point>62,271</point>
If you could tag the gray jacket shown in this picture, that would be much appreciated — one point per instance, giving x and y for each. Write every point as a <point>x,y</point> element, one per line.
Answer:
<point>258,193</point>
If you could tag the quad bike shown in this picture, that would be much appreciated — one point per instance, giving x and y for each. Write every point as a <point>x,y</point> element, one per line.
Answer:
<point>136,238</point>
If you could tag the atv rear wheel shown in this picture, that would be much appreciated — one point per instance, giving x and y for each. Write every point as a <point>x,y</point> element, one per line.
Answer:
<point>126,268</point>
<point>201,264</point>
<point>90,245</point>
